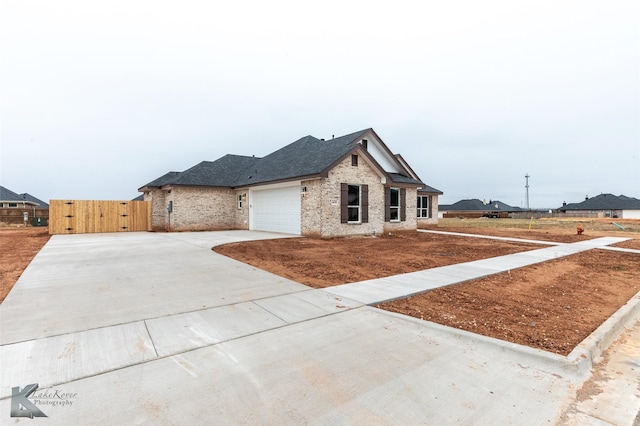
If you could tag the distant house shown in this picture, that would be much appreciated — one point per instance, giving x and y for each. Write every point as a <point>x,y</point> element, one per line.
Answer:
<point>13,207</point>
<point>605,205</point>
<point>474,208</point>
<point>347,185</point>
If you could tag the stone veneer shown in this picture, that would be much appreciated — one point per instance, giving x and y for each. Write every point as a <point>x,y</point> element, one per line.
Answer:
<point>321,203</point>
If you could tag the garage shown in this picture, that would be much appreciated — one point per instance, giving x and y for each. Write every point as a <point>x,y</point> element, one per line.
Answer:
<point>275,210</point>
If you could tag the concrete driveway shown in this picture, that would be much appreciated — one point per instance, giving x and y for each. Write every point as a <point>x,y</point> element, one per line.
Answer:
<point>148,328</point>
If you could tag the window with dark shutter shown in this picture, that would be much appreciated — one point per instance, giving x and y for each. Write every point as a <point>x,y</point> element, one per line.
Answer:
<point>354,203</point>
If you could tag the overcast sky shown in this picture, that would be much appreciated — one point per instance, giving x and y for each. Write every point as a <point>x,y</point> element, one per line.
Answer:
<point>99,98</point>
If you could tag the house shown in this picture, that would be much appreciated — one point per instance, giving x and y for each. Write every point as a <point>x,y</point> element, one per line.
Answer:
<point>349,185</point>
<point>473,208</point>
<point>13,207</point>
<point>605,205</point>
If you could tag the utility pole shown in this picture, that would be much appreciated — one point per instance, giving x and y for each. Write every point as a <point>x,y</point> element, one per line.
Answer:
<point>527,189</point>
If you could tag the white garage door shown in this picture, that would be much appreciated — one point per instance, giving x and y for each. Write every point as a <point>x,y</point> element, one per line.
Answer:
<point>276,210</point>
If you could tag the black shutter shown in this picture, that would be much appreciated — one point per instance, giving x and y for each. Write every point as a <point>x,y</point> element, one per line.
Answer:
<point>344,202</point>
<point>387,202</point>
<point>430,211</point>
<point>365,203</point>
<point>403,204</point>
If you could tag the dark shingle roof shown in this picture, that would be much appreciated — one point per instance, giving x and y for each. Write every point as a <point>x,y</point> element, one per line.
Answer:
<point>430,190</point>
<point>398,178</point>
<point>162,180</point>
<point>8,195</point>
<point>307,156</point>
<point>29,197</point>
<point>605,202</point>
<point>226,171</point>
<point>477,205</point>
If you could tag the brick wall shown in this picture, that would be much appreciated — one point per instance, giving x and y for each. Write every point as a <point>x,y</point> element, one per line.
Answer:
<point>202,209</point>
<point>242,213</point>
<point>158,209</point>
<point>321,203</point>
<point>313,202</point>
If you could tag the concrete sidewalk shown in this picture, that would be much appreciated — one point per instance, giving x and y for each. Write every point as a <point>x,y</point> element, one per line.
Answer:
<point>160,329</point>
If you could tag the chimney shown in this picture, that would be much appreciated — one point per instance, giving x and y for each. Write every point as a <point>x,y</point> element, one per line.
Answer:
<point>586,197</point>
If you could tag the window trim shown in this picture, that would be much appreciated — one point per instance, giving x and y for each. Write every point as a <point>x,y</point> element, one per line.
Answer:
<point>354,206</point>
<point>363,206</point>
<point>426,210</point>
<point>394,207</point>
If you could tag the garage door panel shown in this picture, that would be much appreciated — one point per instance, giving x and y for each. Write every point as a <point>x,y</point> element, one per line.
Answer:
<point>276,210</point>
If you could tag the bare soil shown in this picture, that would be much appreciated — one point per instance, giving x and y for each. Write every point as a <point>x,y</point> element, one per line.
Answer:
<point>18,246</point>
<point>551,306</point>
<point>323,263</point>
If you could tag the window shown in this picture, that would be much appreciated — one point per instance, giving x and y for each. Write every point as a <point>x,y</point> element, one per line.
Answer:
<point>424,206</point>
<point>395,202</point>
<point>13,205</point>
<point>365,144</point>
<point>394,205</point>
<point>354,203</point>
<point>239,201</point>
<point>354,160</point>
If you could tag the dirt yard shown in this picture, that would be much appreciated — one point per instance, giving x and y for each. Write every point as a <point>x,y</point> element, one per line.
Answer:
<point>18,246</point>
<point>552,306</point>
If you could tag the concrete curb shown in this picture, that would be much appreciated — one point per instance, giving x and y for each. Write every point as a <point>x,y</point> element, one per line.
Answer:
<point>578,363</point>
<point>590,350</point>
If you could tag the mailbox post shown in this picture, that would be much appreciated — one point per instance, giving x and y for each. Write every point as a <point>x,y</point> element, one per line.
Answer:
<point>26,218</point>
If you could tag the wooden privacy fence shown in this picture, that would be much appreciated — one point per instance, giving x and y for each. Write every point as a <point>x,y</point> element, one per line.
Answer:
<point>87,216</point>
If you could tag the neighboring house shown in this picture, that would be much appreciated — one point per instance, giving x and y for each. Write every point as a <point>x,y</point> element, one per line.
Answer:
<point>13,206</point>
<point>605,205</point>
<point>348,185</point>
<point>474,208</point>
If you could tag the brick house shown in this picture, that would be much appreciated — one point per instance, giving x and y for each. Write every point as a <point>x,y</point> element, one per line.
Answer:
<point>349,185</point>
<point>14,207</point>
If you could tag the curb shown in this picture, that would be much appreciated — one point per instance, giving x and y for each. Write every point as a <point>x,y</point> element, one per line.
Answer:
<point>577,364</point>
<point>590,350</point>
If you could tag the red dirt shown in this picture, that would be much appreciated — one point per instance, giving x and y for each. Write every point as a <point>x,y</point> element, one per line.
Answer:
<point>18,246</point>
<point>552,306</point>
<point>326,262</point>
